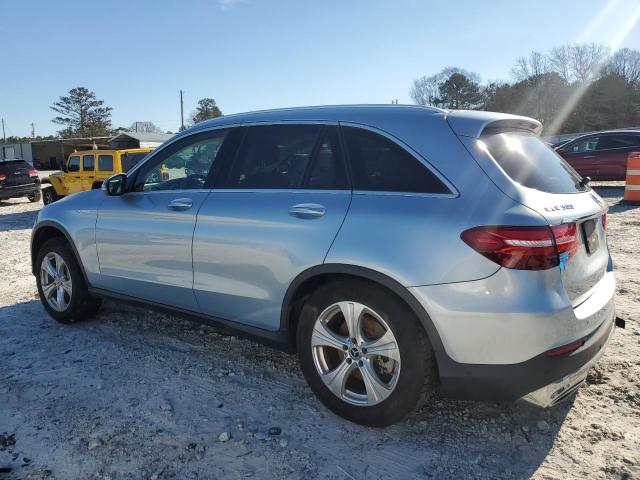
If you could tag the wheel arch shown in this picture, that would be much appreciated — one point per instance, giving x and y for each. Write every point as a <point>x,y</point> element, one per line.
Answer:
<point>44,231</point>
<point>304,284</point>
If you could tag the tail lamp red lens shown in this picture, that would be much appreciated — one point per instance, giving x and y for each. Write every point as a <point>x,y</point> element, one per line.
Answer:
<point>604,221</point>
<point>565,349</point>
<point>32,172</point>
<point>2,176</point>
<point>524,248</point>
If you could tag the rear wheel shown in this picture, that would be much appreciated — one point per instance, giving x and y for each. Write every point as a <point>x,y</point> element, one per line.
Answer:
<point>49,195</point>
<point>34,196</point>
<point>61,285</point>
<point>364,352</point>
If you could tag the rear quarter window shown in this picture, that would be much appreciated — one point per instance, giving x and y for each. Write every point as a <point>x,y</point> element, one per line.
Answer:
<point>531,163</point>
<point>379,164</point>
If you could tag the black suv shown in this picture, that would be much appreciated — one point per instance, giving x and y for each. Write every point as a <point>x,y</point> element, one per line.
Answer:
<point>19,179</point>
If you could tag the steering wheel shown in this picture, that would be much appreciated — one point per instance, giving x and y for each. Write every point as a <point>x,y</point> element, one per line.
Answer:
<point>193,181</point>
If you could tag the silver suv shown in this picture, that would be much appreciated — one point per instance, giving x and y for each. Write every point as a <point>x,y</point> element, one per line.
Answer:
<point>394,248</point>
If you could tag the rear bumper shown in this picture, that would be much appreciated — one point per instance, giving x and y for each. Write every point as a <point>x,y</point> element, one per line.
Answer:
<point>495,334</point>
<point>543,380</point>
<point>19,190</point>
<point>559,390</point>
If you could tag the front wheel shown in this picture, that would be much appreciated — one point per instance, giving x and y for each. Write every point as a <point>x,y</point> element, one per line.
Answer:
<point>61,285</point>
<point>34,196</point>
<point>364,353</point>
<point>49,195</point>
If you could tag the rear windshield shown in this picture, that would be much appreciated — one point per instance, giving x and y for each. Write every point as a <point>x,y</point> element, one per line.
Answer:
<point>129,160</point>
<point>531,163</point>
<point>12,165</point>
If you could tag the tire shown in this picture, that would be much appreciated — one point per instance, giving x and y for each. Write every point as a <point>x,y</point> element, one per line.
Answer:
<point>49,195</point>
<point>35,196</point>
<point>408,379</point>
<point>76,304</point>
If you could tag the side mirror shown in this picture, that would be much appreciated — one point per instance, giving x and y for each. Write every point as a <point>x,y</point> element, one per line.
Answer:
<point>64,168</point>
<point>114,185</point>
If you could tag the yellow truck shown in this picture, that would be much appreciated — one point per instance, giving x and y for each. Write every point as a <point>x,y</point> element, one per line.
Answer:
<point>83,169</point>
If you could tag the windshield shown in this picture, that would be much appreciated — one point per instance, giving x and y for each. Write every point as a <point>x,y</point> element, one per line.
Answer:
<point>129,160</point>
<point>531,163</point>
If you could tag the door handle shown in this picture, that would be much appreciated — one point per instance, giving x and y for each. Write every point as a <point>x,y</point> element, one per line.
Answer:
<point>180,204</point>
<point>307,210</point>
<point>589,156</point>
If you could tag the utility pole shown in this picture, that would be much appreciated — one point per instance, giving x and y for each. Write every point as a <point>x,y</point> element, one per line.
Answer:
<point>181,112</point>
<point>4,137</point>
<point>33,131</point>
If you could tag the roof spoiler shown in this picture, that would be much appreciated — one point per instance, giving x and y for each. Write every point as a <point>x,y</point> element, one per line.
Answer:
<point>470,123</point>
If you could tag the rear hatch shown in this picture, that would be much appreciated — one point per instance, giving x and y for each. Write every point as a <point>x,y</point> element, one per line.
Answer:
<point>14,173</point>
<point>533,174</point>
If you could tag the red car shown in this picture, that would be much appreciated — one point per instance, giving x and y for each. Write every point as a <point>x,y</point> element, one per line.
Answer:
<point>603,155</point>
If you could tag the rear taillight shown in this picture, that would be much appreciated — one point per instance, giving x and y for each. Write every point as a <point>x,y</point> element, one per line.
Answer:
<point>566,240</point>
<point>2,176</point>
<point>604,221</point>
<point>32,172</point>
<point>524,248</point>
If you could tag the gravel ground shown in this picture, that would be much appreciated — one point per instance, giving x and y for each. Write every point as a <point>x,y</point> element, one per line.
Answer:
<point>139,395</point>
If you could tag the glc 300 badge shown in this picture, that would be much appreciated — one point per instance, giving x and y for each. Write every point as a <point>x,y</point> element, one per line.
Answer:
<point>559,207</point>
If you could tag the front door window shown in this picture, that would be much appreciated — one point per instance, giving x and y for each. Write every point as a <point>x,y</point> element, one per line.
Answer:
<point>185,169</point>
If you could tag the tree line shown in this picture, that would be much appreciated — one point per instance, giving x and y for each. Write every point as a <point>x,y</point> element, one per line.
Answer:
<point>82,114</point>
<point>571,88</point>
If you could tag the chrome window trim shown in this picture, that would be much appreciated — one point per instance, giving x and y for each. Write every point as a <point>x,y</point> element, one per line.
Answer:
<point>258,123</point>
<point>454,191</point>
<point>405,194</point>
<point>228,126</point>
<point>184,191</point>
<point>181,191</point>
<point>615,148</point>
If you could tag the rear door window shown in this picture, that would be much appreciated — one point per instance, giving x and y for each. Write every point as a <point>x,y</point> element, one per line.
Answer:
<point>618,141</point>
<point>105,163</point>
<point>531,163</point>
<point>379,164</point>
<point>274,157</point>
<point>87,163</point>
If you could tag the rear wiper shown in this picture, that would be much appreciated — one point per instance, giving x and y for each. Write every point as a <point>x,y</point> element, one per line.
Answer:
<point>584,182</point>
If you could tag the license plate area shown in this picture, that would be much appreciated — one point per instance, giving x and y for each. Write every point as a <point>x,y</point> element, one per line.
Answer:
<point>590,235</point>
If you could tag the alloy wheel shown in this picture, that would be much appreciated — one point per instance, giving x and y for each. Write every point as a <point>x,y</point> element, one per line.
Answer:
<point>355,353</point>
<point>55,280</point>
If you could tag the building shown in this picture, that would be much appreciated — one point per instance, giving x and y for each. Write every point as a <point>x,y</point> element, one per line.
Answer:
<point>51,154</point>
<point>138,140</point>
